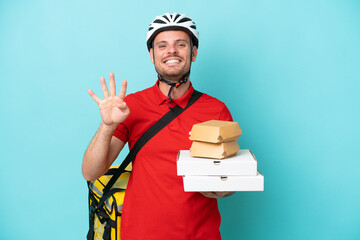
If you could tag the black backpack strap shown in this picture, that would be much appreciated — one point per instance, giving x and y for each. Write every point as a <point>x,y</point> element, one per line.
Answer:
<point>152,131</point>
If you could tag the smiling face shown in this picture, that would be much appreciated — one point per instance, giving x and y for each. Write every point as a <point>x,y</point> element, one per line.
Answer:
<point>171,54</point>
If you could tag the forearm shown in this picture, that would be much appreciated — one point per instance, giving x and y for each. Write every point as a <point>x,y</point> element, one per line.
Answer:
<point>97,158</point>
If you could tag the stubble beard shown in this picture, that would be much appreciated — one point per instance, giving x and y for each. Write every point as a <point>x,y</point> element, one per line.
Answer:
<point>173,76</point>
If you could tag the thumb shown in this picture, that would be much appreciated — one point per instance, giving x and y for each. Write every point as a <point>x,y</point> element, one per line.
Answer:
<point>122,105</point>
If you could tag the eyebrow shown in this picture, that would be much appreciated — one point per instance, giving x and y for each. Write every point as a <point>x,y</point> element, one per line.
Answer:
<point>177,40</point>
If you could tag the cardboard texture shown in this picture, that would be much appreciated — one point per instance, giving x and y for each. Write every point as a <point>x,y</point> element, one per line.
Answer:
<point>223,183</point>
<point>215,131</point>
<point>214,150</point>
<point>204,168</point>
<point>243,163</point>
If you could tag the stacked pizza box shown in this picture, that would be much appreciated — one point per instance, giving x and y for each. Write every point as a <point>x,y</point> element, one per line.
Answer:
<point>215,161</point>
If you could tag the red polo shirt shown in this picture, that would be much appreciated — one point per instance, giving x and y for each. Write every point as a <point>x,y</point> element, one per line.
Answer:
<point>155,205</point>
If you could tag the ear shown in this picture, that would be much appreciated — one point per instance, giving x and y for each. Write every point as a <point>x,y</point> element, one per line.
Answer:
<point>151,55</point>
<point>194,54</point>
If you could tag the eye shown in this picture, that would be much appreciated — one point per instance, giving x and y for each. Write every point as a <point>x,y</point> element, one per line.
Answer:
<point>161,46</point>
<point>181,45</point>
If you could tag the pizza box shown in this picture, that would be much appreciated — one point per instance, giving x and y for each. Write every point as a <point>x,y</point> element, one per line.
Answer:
<point>223,183</point>
<point>243,163</point>
<point>215,131</point>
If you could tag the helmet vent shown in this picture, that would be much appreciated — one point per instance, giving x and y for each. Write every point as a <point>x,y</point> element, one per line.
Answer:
<point>159,21</point>
<point>176,17</point>
<point>184,20</point>
<point>167,17</point>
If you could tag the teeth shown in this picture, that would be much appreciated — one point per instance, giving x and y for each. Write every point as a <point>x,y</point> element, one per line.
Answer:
<point>172,61</point>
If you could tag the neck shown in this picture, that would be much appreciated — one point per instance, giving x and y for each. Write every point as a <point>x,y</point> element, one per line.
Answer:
<point>176,92</point>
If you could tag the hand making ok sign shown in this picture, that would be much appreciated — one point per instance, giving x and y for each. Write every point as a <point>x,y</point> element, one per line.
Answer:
<point>113,109</point>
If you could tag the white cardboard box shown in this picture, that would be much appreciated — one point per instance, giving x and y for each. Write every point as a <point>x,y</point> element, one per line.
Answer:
<point>243,163</point>
<point>223,183</point>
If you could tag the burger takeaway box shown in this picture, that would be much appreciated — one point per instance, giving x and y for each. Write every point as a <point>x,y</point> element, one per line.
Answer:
<point>215,131</point>
<point>214,150</point>
<point>215,139</point>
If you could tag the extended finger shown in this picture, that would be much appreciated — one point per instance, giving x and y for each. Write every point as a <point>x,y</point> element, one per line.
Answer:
<point>92,94</point>
<point>104,87</point>
<point>112,84</point>
<point>122,93</point>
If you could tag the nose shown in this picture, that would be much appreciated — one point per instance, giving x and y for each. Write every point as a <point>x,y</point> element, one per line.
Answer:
<point>172,49</point>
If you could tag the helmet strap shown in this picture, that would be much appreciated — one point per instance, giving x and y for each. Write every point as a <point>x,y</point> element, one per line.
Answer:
<point>172,85</point>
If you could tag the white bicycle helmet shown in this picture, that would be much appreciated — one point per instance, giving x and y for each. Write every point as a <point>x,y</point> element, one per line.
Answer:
<point>173,21</point>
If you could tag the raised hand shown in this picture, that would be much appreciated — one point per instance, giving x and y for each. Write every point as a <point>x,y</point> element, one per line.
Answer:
<point>113,109</point>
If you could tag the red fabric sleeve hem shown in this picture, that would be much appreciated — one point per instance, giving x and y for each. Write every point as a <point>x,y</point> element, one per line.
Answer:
<point>120,136</point>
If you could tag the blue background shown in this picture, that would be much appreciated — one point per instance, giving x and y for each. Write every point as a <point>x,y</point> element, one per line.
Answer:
<point>289,72</point>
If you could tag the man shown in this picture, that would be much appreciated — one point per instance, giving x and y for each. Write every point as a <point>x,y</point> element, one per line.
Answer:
<point>155,205</point>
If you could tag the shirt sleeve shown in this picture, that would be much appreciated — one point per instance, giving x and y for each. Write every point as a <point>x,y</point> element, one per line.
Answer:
<point>225,114</point>
<point>122,132</point>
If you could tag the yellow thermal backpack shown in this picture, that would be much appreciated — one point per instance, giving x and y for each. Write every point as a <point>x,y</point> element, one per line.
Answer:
<point>105,220</point>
